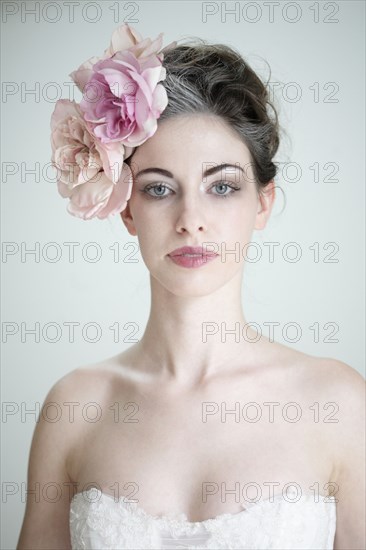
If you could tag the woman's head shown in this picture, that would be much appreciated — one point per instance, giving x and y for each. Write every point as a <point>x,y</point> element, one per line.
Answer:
<point>216,114</point>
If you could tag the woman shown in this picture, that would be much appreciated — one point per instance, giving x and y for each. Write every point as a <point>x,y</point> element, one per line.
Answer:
<point>200,439</point>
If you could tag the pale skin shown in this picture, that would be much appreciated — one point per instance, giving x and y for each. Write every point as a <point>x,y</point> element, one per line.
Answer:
<point>170,453</point>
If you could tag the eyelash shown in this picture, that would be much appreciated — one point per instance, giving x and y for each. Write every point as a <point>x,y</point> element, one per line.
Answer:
<point>154,185</point>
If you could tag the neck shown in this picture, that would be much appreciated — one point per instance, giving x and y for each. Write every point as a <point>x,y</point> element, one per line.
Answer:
<point>189,339</point>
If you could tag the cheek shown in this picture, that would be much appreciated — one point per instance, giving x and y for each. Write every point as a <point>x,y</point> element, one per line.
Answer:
<point>242,220</point>
<point>150,226</point>
<point>151,232</point>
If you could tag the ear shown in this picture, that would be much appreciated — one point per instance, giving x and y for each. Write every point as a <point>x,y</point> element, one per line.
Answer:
<point>265,203</point>
<point>128,220</point>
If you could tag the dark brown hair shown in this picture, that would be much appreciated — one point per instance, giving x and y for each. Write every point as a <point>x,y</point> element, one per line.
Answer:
<point>215,79</point>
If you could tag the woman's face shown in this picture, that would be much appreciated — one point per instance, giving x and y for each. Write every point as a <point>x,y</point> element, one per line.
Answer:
<point>188,208</point>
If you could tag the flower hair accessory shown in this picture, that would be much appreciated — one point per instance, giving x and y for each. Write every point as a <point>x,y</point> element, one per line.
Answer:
<point>122,100</point>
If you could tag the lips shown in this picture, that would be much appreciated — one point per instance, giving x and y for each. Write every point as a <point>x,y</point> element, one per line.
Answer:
<point>191,251</point>
<point>191,256</point>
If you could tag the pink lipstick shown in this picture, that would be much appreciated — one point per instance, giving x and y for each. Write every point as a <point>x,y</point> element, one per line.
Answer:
<point>191,256</point>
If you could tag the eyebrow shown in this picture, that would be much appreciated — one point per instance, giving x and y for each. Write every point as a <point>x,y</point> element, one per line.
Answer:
<point>207,172</point>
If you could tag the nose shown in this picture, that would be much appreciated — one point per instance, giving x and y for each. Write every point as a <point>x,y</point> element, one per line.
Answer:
<point>190,218</point>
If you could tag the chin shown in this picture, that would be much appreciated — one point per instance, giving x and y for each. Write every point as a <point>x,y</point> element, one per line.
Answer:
<point>191,283</point>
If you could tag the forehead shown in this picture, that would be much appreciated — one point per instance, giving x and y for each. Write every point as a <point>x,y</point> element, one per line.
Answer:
<point>195,138</point>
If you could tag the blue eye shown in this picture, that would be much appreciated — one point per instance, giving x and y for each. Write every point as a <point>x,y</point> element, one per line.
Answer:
<point>228,186</point>
<point>159,188</point>
<point>155,186</point>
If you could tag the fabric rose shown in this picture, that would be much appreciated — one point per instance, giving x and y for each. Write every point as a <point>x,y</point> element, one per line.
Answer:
<point>122,99</point>
<point>84,174</point>
<point>101,198</point>
<point>122,95</point>
<point>123,38</point>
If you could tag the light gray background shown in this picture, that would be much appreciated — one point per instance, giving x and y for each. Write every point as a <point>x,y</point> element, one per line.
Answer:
<point>306,292</point>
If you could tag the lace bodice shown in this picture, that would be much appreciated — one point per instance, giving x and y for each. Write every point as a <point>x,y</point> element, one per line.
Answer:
<point>100,521</point>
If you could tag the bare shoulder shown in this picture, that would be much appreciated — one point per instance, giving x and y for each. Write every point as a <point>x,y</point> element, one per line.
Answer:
<point>337,378</point>
<point>348,388</point>
<point>340,373</point>
<point>344,385</point>
<point>341,389</point>
<point>94,379</point>
<point>58,428</point>
<point>324,373</point>
<point>84,387</point>
<point>323,379</point>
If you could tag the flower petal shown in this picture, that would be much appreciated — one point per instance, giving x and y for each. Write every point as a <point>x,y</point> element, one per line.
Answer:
<point>120,194</point>
<point>82,75</point>
<point>160,101</point>
<point>123,37</point>
<point>91,197</point>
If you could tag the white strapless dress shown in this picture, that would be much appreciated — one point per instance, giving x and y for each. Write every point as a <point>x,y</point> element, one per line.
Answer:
<point>100,521</point>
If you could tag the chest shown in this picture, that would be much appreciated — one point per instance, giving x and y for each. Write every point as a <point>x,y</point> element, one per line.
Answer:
<point>204,458</point>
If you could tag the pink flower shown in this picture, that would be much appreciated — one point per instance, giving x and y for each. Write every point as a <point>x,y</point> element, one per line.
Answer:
<point>80,160</point>
<point>126,99</point>
<point>74,150</point>
<point>122,95</point>
<point>102,197</point>
<point>123,38</point>
<point>123,99</point>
